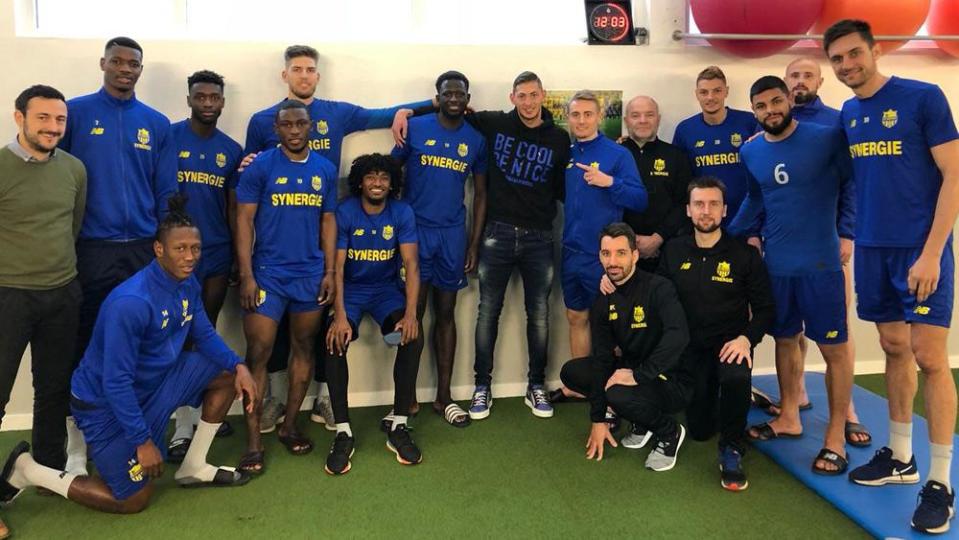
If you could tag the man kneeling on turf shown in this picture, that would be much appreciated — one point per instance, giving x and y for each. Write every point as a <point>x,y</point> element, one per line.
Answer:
<point>135,373</point>
<point>374,233</point>
<point>646,384</point>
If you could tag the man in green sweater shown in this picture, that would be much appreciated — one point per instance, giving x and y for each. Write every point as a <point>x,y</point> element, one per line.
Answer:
<point>42,197</point>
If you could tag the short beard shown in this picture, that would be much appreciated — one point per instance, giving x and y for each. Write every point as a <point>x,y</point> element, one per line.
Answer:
<point>706,230</point>
<point>802,99</point>
<point>777,130</point>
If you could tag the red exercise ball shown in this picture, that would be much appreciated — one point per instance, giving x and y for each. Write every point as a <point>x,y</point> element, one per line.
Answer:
<point>944,19</point>
<point>754,17</point>
<point>887,17</point>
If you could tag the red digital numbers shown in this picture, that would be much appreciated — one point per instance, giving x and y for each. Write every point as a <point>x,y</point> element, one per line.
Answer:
<point>609,22</point>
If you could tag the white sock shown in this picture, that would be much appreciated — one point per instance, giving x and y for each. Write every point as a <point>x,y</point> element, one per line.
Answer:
<point>900,440</point>
<point>76,449</point>
<point>278,385</point>
<point>398,421</point>
<point>940,460</point>
<point>27,472</point>
<point>322,390</point>
<point>344,427</point>
<point>194,463</point>
<point>186,417</point>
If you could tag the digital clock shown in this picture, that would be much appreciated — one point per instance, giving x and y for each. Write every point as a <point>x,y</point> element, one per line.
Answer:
<point>610,23</point>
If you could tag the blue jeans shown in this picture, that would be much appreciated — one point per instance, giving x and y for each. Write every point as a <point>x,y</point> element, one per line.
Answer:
<point>505,248</point>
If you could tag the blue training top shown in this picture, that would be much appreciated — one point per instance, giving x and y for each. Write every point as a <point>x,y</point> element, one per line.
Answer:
<point>797,181</point>
<point>372,241</point>
<point>138,337</point>
<point>292,198</point>
<point>206,169</point>
<point>438,161</point>
<point>131,168</point>
<point>897,181</point>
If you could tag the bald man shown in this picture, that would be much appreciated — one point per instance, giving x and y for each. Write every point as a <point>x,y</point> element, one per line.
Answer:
<point>804,78</point>
<point>665,172</point>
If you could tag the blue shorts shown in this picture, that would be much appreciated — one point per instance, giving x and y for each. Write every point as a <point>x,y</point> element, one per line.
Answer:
<point>815,303</point>
<point>277,296</point>
<point>115,456</point>
<point>380,301</point>
<point>882,288</point>
<point>581,274</point>
<point>442,253</point>
<point>214,261</point>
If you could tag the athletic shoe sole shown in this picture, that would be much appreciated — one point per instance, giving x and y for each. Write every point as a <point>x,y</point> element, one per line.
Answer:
<point>636,446</point>
<point>271,429</point>
<point>897,479</point>
<point>682,437</point>
<point>318,418</point>
<point>349,465</point>
<point>937,530</point>
<point>481,414</point>
<point>733,486</point>
<point>400,459</point>
<point>536,412</point>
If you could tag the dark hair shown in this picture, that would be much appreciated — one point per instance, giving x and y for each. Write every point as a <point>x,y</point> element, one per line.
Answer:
<point>711,73</point>
<point>706,182</point>
<point>204,76</point>
<point>452,76</point>
<point>290,104</point>
<point>122,41</point>
<point>617,229</point>
<point>176,218</point>
<point>37,90</point>
<point>525,77</point>
<point>368,163</point>
<point>295,51</point>
<point>844,28</point>
<point>767,82</point>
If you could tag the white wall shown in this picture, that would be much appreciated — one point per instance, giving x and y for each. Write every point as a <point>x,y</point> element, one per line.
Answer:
<point>378,75</point>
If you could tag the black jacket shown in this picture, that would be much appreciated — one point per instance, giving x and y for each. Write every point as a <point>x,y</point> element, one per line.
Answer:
<point>527,168</point>
<point>718,287</point>
<point>666,174</point>
<point>644,318</point>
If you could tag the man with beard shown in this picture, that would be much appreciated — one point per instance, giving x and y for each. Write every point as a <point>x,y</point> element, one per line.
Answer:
<point>207,160</point>
<point>803,77</point>
<point>441,153</point>
<point>795,172</point>
<point>286,200</point>
<point>724,288</point>
<point>905,150</point>
<point>647,382</point>
<point>664,169</point>
<point>41,209</point>
<point>131,170</point>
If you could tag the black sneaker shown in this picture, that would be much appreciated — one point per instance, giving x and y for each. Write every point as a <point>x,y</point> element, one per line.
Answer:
<point>936,507</point>
<point>7,492</point>
<point>731,473</point>
<point>400,443</point>
<point>663,456</point>
<point>882,469</point>
<point>338,462</point>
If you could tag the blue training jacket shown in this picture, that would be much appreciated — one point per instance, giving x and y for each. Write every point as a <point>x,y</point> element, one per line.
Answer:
<point>589,208</point>
<point>138,338</point>
<point>131,165</point>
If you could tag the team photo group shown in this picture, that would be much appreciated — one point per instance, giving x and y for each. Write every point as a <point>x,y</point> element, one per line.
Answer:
<point>122,234</point>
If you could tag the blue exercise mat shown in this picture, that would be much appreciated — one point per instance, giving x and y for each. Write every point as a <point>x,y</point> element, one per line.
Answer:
<point>885,512</point>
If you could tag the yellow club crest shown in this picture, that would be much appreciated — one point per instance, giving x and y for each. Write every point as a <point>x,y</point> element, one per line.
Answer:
<point>462,150</point>
<point>186,307</point>
<point>221,160</point>
<point>135,471</point>
<point>143,136</point>
<point>736,139</point>
<point>638,314</point>
<point>659,165</point>
<point>321,127</point>
<point>889,118</point>
<point>722,269</point>
<point>387,232</point>
<point>317,183</point>
<point>166,319</point>
<point>260,297</point>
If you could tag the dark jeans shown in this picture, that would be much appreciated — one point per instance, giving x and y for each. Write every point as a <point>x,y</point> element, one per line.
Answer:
<point>504,249</point>
<point>649,404</point>
<point>48,321</point>
<point>721,398</point>
<point>101,266</point>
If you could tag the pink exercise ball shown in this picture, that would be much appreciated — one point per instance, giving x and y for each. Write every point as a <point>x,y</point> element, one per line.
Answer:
<point>754,17</point>
<point>886,17</point>
<point>944,19</point>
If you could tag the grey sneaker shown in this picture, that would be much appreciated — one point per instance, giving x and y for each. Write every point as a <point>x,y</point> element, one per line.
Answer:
<point>637,437</point>
<point>273,413</point>
<point>323,413</point>
<point>663,456</point>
